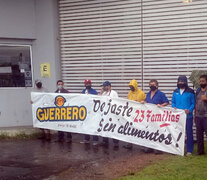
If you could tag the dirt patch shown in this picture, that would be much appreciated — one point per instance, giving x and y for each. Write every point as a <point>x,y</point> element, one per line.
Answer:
<point>108,169</point>
<point>130,165</point>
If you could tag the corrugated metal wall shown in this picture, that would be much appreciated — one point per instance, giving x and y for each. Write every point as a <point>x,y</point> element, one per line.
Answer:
<point>119,40</point>
<point>100,40</point>
<point>174,40</point>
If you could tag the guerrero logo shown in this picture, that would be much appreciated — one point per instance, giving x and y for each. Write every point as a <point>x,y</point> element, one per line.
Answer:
<point>61,112</point>
<point>60,101</point>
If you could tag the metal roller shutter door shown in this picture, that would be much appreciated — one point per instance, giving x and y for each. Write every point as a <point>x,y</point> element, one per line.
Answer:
<point>100,40</point>
<point>120,40</point>
<point>174,40</point>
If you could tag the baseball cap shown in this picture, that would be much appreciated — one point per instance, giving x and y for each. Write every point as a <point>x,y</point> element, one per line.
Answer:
<point>87,81</point>
<point>106,83</point>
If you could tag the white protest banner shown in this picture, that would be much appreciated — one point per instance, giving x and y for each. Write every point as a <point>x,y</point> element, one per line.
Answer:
<point>142,124</point>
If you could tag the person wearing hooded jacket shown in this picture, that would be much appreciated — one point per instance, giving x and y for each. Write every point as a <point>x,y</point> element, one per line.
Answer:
<point>135,94</point>
<point>184,98</point>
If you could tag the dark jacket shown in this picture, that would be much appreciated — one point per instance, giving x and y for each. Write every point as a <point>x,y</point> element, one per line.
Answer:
<point>62,91</point>
<point>90,91</point>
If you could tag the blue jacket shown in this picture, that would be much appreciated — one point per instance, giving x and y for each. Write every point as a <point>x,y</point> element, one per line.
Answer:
<point>91,91</point>
<point>184,101</point>
<point>158,98</point>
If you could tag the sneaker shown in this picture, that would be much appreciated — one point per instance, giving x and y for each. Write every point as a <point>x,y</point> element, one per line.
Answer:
<point>59,140</point>
<point>128,146</point>
<point>104,144</point>
<point>95,143</point>
<point>188,154</point>
<point>148,150</point>
<point>69,140</point>
<point>85,142</point>
<point>158,152</point>
<point>198,154</point>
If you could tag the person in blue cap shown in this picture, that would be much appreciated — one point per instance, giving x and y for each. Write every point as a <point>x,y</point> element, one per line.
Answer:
<point>107,91</point>
<point>184,98</point>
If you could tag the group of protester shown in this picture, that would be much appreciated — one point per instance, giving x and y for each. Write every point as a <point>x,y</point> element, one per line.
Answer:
<point>183,98</point>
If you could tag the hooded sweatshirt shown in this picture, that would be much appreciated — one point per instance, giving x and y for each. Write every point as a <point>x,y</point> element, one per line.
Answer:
<point>186,100</point>
<point>136,95</point>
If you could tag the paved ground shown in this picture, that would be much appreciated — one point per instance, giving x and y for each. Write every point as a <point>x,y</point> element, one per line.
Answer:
<point>36,160</point>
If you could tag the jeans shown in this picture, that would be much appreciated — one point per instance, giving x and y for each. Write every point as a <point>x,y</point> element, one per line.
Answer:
<point>87,138</point>
<point>61,135</point>
<point>106,140</point>
<point>201,127</point>
<point>189,133</point>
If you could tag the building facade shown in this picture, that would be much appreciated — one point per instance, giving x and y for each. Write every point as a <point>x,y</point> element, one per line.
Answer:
<point>98,40</point>
<point>29,30</point>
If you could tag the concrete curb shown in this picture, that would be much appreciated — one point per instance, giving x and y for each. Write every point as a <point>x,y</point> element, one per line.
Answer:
<point>16,131</point>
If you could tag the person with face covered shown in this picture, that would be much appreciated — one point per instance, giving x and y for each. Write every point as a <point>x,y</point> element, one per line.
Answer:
<point>89,90</point>
<point>184,98</point>
<point>201,114</point>
<point>155,96</point>
<point>45,133</point>
<point>61,89</point>
<point>135,94</point>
